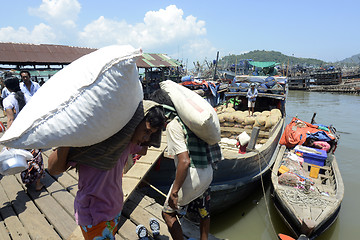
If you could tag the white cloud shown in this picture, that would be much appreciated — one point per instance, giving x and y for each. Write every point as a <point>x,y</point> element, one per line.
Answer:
<point>58,12</point>
<point>168,25</point>
<point>200,48</point>
<point>40,34</point>
<point>165,30</point>
<point>102,32</point>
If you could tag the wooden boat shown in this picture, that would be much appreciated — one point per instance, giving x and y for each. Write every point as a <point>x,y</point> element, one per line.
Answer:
<point>238,174</point>
<point>308,201</point>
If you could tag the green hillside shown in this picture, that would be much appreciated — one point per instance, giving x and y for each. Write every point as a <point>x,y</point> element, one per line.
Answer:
<point>270,56</point>
<point>352,60</point>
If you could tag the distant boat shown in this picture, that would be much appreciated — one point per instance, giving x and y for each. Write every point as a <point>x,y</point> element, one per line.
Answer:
<point>307,195</point>
<point>238,174</point>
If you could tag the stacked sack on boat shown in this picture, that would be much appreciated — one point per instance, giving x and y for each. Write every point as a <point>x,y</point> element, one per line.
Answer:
<point>239,121</point>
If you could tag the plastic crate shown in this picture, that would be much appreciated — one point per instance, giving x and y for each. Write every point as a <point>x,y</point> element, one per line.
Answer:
<point>312,155</point>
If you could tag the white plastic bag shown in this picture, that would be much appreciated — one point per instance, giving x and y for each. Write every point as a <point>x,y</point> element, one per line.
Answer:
<point>83,104</point>
<point>243,138</point>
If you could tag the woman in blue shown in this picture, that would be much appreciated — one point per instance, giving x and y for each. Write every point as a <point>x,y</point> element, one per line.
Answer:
<point>251,95</point>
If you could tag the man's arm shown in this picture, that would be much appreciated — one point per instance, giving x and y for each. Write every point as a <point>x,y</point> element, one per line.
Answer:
<point>143,151</point>
<point>10,117</point>
<point>181,173</point>
<point>57,161</point>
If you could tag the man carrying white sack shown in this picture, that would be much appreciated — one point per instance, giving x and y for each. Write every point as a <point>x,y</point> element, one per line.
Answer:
<point>190,190</point>
<point>99,200</point>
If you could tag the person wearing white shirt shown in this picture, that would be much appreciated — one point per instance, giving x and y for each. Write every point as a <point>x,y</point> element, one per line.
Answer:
<point>15,101</point>
<point>4,93</point>
<point>251,95</point>
<point>13,104</point>
<point>27,86</point>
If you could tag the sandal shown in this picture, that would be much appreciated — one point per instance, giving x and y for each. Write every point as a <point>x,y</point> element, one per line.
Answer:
<point>141,231</point>
<point>154,226</point>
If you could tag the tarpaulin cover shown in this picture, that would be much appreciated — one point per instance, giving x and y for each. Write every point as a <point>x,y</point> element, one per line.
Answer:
<point>297,131</point>
<point>264,64</point>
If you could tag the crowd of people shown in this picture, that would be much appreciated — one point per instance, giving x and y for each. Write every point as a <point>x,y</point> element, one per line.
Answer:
<point>99,200</point>
<point>14,95</point>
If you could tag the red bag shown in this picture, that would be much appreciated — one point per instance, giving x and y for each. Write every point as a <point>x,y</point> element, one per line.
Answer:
<point>2,127</point>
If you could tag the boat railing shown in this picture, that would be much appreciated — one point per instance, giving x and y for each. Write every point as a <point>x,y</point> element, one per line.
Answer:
<point>229,93</point>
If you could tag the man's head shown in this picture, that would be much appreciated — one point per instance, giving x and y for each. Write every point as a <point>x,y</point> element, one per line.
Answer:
<point>12,84</point>
<point>154,121</point>
<point>252,85</point>
<point>25,76</point>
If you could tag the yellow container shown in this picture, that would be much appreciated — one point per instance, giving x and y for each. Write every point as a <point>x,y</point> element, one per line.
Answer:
<point>283,169</point>
<point>314,171</point>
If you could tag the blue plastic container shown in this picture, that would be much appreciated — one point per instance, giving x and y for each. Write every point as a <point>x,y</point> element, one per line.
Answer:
<point>187,78</point>
<point>317,158</point>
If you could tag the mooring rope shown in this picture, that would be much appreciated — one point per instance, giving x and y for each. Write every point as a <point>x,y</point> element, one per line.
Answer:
<point>261,156</point>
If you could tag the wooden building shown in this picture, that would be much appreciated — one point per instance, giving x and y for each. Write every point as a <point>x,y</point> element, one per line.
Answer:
<point>44,60</point>
<point>156,68</point>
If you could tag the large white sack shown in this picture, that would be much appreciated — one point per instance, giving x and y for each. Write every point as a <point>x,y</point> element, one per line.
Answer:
<point>85,103</point>
<point>196,113</point>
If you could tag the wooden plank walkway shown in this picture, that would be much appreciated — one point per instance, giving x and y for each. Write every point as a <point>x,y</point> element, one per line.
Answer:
<point>49,214</point>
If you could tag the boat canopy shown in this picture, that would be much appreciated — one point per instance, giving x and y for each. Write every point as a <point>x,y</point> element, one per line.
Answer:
<point>264,64</point>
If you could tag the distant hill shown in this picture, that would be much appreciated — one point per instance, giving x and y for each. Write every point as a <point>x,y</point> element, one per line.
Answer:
<point>270,56</point>
<point>352,60</point>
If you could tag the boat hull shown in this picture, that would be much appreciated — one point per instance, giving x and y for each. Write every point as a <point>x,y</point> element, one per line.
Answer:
<point>308,219</point>
<point>235,178</point>
<point>295,225</point>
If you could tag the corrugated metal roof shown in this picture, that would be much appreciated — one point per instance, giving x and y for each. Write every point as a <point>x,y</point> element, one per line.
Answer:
<point>20,53</point>
<point>153,60</point>
<point>46,54</point>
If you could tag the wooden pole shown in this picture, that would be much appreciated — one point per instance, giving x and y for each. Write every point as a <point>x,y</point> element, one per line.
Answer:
<point>217,58</point>
<point>287,68</point>
<point>235,66</point>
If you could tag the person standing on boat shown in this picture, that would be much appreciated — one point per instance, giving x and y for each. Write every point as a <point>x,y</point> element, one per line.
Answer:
<point>27,86</point>
<point>99,199</point>
<point>190,191</point>
<point>251,95</point>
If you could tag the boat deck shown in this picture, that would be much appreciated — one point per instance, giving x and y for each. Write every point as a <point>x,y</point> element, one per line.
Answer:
<point>49,214</point>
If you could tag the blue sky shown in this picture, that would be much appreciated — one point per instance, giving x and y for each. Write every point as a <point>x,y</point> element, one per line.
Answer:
<point>190,30</point>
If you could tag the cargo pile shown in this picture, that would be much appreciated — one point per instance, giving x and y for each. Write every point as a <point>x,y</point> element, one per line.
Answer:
<point>234,122</point>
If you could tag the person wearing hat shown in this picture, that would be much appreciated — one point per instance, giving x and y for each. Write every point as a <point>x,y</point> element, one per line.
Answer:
<point>251,95</point>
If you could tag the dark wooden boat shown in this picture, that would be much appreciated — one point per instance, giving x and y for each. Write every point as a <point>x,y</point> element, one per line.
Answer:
<point>311,205</point>
<point>238,174</point>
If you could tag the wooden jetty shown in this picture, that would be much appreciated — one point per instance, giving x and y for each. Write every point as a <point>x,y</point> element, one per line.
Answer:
<point>49,214</point>
<point>352,87</point>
